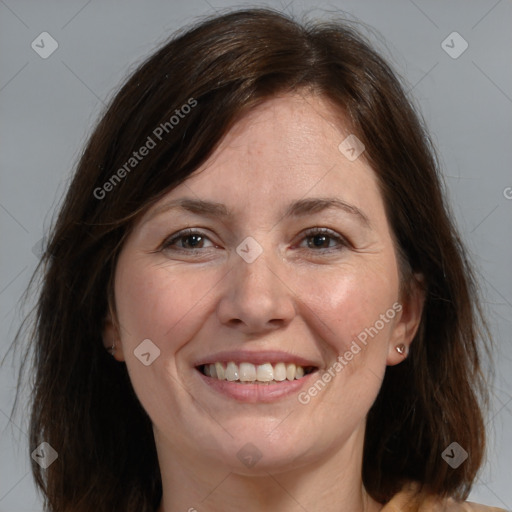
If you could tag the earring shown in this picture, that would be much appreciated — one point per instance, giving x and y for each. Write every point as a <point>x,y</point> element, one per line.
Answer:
<point>400,348</point>
<point>113,348</point>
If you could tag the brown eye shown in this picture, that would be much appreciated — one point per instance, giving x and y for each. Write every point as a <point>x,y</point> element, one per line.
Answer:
<point>192,241</point>
<point>186,240</point>
<point>320,241</point>
<point>321,238</point>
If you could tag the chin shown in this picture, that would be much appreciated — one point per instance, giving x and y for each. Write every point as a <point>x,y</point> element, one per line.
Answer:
<point>257,452</point>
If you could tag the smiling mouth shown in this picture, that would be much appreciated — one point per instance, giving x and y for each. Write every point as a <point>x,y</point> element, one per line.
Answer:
<point>248,373</point>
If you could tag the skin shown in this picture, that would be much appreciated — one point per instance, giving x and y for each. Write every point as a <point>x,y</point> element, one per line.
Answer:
<point>307,300</point>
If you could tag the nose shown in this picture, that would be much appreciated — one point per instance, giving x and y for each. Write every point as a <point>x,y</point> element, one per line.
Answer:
<point>256,297</point>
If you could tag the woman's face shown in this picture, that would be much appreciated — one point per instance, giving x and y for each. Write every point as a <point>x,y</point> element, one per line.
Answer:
<point>257,282</point>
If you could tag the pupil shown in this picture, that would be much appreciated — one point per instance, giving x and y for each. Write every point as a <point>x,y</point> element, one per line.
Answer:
<point>198,238</point>
<point>319,238</point>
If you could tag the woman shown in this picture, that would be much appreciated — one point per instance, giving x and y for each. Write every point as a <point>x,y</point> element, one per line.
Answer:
<point>253,296</point>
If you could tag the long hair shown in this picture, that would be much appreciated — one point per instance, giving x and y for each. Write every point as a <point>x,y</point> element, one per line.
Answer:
<point>82,401</point>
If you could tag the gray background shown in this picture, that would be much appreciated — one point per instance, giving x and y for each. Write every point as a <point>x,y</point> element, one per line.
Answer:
<point>48,107</point>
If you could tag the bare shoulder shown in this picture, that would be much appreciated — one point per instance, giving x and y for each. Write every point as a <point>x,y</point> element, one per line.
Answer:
<point>451,505</point>
<point>410,500</point>
<point>470,506</point>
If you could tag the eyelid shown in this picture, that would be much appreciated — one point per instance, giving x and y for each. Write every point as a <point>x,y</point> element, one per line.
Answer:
<point>318,230</point>
<point>309,232</point>
<point>183,233</point>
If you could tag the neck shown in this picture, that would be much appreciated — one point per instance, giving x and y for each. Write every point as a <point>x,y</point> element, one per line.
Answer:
<point>330,483</point>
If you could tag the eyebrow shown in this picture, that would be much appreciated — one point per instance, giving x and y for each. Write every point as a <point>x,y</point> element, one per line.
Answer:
<point>299,208</point>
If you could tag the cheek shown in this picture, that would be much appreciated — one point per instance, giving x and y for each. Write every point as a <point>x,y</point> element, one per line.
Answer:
<point>162,304</point>
<point>347,304</point>
<point>168,308</point>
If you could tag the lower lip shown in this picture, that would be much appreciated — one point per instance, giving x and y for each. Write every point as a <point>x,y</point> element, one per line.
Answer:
<point>253,393</point>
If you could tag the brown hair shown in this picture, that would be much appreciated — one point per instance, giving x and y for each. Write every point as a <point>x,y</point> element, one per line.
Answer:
<point>83,403</point>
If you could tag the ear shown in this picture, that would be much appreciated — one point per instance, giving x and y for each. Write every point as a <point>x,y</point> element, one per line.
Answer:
<point>110,335</point>
<point>407,320</point>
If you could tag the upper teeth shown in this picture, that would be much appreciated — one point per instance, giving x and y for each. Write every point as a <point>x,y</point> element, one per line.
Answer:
<point>248,372</point>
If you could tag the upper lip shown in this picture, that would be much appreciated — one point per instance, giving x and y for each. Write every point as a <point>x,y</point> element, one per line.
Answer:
<point>260,357</point>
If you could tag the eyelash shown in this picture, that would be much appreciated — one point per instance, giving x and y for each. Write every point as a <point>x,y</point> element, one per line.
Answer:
<point>309,233</point>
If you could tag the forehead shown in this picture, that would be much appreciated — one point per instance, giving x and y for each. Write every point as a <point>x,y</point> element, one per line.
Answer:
<point>285,149</point>
<point>294,128</point>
